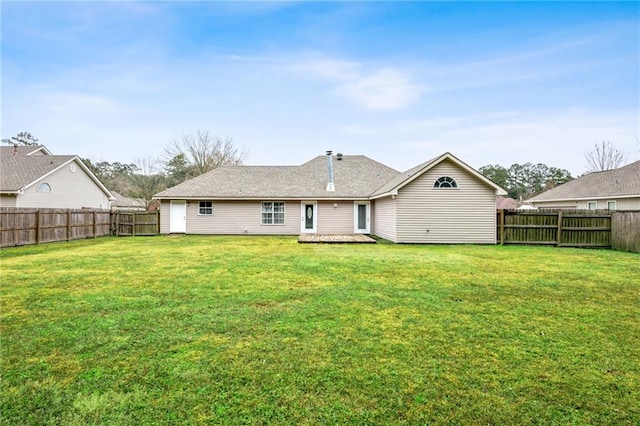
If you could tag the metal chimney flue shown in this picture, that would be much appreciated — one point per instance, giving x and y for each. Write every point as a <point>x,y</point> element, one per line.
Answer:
<point>330,186</point>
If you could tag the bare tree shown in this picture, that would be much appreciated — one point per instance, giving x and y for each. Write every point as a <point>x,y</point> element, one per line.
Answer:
<point>202,152</point>
<point>605,156</point>
<point>147,181</point>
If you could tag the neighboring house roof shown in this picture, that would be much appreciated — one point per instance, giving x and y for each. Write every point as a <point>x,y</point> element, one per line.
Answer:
<point>19,172</point>
<point>623,182</point>
<point>21,150</point>
<point>506,203</point>
<point>122,202</point>
<point>392,186</point>
<point>355,176</point>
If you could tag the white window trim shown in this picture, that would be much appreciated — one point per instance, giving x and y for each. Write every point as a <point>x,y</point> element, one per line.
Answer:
<point>205,214</point>
<point>589,204</point>
<point>284,213</point>
<point>615,204</point>
<point>445,188</point>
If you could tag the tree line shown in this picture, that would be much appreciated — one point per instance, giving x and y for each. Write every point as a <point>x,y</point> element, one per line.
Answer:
<point>523,181</point>
<point>197,153</point>
<point>184,158</point>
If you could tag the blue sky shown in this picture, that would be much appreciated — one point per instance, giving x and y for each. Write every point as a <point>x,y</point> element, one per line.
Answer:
<point>493,83</point>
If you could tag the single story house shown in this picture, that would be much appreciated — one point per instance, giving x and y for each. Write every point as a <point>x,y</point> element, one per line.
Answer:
<point>440,201</point>
<point>122,203</point>
<point>617,189</point>
<point>30,176</point>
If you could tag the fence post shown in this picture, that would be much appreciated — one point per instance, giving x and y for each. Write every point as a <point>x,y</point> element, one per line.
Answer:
<point>38,226</point>
<point>95,224</point>
<point>158,221</point>
<point>559,232</point>
<point>117,224</point>
<point>133,223</point>
<point>68,225</point>
<point>501,219</point>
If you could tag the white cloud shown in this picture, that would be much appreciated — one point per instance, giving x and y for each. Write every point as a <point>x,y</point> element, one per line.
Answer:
<point>373,88</point>
<point>385,89</point>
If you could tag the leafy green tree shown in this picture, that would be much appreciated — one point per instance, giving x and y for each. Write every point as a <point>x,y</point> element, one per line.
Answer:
<point>523,181</point>
<point>496,173</point>
<point>22,139</point>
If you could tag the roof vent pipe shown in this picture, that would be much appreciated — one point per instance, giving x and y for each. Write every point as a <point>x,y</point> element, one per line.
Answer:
<point>330,186</point>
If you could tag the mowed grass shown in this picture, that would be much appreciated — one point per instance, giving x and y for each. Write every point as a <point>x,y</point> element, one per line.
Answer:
<point>251,330</point>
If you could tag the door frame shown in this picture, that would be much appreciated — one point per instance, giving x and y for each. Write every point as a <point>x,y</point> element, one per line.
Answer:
<point>182,225</point>
<point>367,229</point>
<point>303,212</point>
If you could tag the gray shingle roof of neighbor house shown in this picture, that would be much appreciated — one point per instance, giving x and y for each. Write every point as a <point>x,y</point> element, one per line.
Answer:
<point>12,151</point>
<point>20,171</point>
<point>19,168</point>
<point>392,186</point>
<point>621,182</point>
<point>355,176</point>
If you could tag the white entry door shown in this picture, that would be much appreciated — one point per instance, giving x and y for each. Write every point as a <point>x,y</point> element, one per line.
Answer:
<point>309,213</point>
<point>361,217</point>
<point>178,217</point>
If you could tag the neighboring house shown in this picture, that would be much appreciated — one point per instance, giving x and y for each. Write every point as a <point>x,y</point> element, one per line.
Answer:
<point>440,201</point>
<point>122,203</point>
<point>30,176</point>
<point>506,203</point>
<point>617,189</point>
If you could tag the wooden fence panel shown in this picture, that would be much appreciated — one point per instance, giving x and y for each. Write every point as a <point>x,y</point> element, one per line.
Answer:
<point>137,223</point>
<point>625,231</point>
<point>563,228</point>
<point>34,226</point>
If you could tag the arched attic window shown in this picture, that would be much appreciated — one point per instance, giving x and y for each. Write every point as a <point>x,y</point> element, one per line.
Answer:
<point>445,182</point>
<point>44,187</point>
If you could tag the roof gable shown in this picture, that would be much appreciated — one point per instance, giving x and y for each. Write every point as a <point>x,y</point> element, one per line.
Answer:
<point>620,182</point>
<point>7,151</point>
<point>392,186</point>
<point>22,171</point>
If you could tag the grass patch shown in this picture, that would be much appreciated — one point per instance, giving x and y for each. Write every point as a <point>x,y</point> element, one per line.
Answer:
<point>258,330</point>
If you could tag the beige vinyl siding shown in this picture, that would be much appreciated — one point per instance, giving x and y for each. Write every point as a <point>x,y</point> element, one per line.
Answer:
<point>165,211</point>
<point>622,204</point>
<point>240,217</point>
<point>466,214</point>
<point>68,191</point>
<point>7,200</point>
<point>335,220</point>
<point>384,218</point>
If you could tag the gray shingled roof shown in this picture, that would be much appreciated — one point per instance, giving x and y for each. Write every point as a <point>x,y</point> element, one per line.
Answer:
<point>401,178</point>
<point>18,171</point>
<point>624,181</point>
<point>355,176</point>
<point>7,151</point>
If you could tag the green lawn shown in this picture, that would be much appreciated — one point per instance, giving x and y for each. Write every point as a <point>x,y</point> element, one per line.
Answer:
<point>250,330</point>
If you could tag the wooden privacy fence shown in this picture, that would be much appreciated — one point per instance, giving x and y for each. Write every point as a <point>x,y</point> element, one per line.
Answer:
<point>562,228</point>
<point>23,226</point>
<point>136,223</point>
<point>625,231</point>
